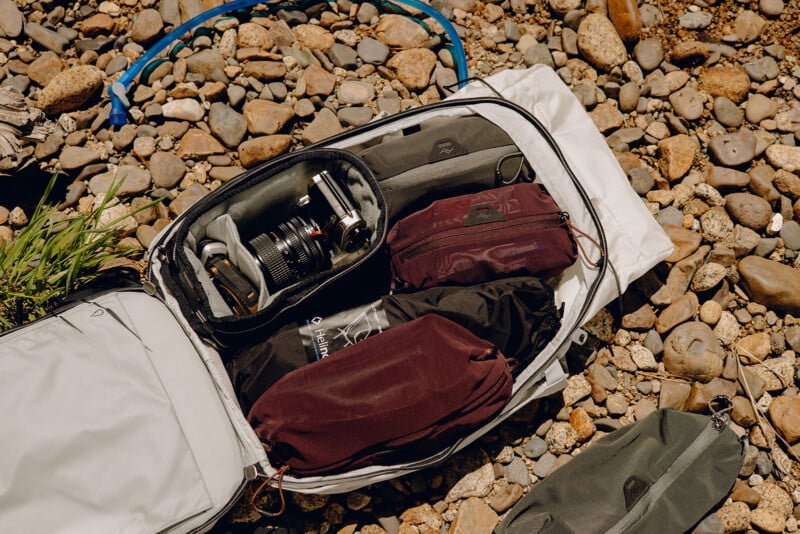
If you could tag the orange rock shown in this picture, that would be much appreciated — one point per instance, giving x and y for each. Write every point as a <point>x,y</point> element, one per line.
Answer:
<point>785,414</point>
<point>730,82</point>
<point>626,18</point>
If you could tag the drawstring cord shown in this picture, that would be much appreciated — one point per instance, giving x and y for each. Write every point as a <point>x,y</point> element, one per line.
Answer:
<point>279,473</point>
<point>576,231</point>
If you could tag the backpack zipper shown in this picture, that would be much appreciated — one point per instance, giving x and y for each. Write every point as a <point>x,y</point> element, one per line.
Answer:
<point>602,264</point>
<point>250,474</point>
<point>458,236</point>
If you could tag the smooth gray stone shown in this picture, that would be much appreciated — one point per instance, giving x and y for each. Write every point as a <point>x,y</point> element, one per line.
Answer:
<point>543,466</point>
<point>687,103</point>
<point>292,17</point>
<point>118,64</point>
<point>649,53</point>
<point>538,54</point>
<point>670,215</point>
<point>790,233</point>
<point>696,21</point>
<point>227,125</point>
<point>627,136</point>
<point>641,180</point>
<point>536,446</point>
<point>512,31</point>
<point>343,56</point>
<point>354,115</point>
<point>762,69</point>
<point>765,247</point>
<point>372,51</point>
<point>733,149</point>
<point>366,12</point>
<point>446,79</point>
<point>586,94</point>
<point>47,38</point>
<point>727,113</point>
<point>517,473</point>
<point>651,15</point>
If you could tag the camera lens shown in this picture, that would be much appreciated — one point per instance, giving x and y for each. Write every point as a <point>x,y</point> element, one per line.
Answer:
<point>290,251</point>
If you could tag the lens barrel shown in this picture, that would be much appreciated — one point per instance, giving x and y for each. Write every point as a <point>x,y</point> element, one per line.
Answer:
<point>290,251</point>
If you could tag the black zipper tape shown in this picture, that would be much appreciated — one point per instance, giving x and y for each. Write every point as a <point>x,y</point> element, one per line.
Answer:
<point>538,377</point>
<point>235,330</point>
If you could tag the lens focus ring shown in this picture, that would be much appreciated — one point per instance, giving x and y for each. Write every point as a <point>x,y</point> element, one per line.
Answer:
<point>273,261</point>
<point>295,244</point>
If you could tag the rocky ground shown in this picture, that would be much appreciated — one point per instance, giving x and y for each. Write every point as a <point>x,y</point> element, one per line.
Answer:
<point>701,104</point>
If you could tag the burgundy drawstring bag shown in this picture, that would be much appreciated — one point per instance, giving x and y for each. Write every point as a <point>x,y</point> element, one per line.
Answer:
<point>401,395</point>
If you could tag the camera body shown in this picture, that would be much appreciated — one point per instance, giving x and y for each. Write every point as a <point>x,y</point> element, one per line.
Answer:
<point>326,220</point>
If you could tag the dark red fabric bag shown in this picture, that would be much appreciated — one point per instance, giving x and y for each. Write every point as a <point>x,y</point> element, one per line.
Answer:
<point>400,395</point>
<point>469,239</point>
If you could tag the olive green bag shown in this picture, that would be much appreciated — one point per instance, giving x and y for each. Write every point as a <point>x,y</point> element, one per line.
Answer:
<point>661,474</point>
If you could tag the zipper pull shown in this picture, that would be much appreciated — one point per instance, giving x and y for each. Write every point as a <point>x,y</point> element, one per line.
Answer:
<point>251,472</point>
<point>576,234</point>
<point>720,407</point>
<point>148,286</point>
<point>279,474</point>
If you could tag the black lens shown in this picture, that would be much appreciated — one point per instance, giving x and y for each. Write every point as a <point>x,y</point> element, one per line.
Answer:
<point>290,251</point>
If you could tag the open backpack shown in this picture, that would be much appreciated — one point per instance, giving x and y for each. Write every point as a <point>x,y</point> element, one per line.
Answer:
<point>138,409</point>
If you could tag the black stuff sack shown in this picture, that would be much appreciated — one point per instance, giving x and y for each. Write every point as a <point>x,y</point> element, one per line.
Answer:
<point>403,394</point>
<point>661,474</point>
<point>518,315</point>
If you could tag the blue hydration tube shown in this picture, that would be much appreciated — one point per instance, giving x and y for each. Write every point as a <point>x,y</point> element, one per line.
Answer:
<point>117,90</point>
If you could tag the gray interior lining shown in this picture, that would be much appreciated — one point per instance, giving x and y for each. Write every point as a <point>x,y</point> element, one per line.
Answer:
<point>217,304</point>
<point>438,139</point>
<point>224,229</point>
<point>259,209</point>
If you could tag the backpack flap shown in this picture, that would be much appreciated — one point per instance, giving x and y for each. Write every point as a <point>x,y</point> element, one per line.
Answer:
<point>113,424</point>
<point>661,474</point>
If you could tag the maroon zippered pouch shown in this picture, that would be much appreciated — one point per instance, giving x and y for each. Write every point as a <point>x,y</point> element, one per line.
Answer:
<point>469,239</point>
<point>405,393</point>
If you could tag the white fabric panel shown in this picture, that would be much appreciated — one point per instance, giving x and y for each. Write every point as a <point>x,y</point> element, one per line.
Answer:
<point>636,242</point>
<point>112,423</point>
<point>252,450</point>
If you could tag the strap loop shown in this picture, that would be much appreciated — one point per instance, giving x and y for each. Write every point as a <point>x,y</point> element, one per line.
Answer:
<point>576,231</point>
<point>279,473</point>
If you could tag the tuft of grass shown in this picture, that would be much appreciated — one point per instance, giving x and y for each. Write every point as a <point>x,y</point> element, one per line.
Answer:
<point>53,256</point>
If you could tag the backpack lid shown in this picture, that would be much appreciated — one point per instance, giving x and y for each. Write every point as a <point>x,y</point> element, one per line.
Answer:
<point>112,423</point>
